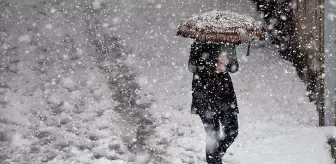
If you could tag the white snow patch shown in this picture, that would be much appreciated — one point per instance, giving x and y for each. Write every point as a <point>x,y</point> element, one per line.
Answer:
<point>19,141</point>
<point>142,80</point>
<point>333,2</point>
<point>69,83</point>
<point>53,10</point>
<point>97,4</point>
<point>331,16</point>
<point>25,38</point>
<point>116,20</point>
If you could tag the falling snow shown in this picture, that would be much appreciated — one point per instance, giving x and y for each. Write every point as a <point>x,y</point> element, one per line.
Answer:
<point>107,82</point>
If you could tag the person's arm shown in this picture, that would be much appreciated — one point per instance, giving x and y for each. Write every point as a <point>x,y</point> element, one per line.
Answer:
<point>230,67</point>
<point>233,66</point>
<point>193,59</point>
<point>228,62</point>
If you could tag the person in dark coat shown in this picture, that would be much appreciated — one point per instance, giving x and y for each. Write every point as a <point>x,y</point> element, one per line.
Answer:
<point>213,96</point>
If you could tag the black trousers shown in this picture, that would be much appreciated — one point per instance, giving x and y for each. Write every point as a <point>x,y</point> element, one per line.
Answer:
<point>215,143</point>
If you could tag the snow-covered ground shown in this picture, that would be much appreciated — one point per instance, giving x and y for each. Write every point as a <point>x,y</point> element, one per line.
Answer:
<point>277,122</point>
<point>65,89</point>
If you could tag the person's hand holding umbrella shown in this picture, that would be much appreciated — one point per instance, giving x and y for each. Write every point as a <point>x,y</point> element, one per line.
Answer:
<point>222,63</point>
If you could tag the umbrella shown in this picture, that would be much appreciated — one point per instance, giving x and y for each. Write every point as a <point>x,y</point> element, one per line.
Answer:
<point>221,26</point>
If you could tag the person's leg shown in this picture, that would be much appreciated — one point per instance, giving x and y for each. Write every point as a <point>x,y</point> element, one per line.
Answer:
<point>211,126</point>
<point>229,121</point>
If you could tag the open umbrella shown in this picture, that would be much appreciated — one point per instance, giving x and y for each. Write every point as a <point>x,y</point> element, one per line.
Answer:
<point>221,26</point>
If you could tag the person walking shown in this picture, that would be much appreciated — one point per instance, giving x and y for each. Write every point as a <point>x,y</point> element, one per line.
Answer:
<point>213,95</point>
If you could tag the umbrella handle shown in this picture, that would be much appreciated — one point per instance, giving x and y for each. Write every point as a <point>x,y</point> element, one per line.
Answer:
<point>248,49</point>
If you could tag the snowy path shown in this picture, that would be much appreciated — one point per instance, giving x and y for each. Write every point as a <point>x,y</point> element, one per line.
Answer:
<point>277,122</point>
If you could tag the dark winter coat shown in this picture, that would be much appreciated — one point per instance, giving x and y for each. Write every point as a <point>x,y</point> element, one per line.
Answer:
<point>212,91</point>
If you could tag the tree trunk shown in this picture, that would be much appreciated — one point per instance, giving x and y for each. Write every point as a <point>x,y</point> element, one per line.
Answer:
<point>308,17</point>
<point>296,27</point>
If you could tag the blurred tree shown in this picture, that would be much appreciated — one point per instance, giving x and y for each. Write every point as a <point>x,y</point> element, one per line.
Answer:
<point>295,28</point>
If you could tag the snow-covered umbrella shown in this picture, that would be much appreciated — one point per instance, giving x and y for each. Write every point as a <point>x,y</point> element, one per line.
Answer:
<point>221,26</point>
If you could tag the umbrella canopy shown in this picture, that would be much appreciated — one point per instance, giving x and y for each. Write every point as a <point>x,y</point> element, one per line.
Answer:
<point>221,26</point>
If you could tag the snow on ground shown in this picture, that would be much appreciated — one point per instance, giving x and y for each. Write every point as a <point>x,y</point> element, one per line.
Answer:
<point>64,97</point>
<point>278,124</point>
